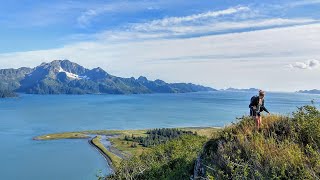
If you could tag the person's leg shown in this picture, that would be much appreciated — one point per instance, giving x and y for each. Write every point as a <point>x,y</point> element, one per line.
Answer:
<point>257,122</point>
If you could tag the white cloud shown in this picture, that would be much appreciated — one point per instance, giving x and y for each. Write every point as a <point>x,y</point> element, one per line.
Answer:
<point>191,18</point>
<point>303,3</point>
<point>143,31</point>
<point>212,22</point>
<point>249,59</point>
<point>314,63</point>
<point>240,12</point>
<point>88,15</point>
<point>191,23</point>
<point>311,64</point>
<point>94,11</point>
<point>85,17</point>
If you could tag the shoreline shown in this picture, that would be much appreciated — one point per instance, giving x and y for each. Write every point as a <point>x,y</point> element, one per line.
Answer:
<point>85,134</point>
<point>113,159</point>
<point>119,148</point>
<point>104,155</point>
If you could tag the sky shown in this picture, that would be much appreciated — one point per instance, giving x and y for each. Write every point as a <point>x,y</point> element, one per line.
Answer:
<point>268,44</point>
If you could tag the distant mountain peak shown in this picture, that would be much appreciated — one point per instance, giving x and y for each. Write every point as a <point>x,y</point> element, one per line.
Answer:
<point>142,79</point>
<point>61,61</point>
<point>159,81</point>
<point>98,69</point>
<point>66,77</point>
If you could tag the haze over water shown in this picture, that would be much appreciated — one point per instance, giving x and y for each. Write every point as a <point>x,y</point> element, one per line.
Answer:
<point>30,115</point>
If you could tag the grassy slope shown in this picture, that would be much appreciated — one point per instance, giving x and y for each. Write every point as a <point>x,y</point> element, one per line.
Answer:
<point>285,148</point>
<point>203,131</point>
<point>126,148</point>
<point>171,160</point>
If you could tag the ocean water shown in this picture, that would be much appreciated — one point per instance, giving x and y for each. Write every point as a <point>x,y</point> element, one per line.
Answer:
<point>28,116</point>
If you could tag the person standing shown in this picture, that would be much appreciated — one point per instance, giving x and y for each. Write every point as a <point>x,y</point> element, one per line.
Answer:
<point>256,107</point>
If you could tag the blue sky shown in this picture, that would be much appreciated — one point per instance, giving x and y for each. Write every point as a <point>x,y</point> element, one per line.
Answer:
<point>35,24</point>
<point>154,38</point>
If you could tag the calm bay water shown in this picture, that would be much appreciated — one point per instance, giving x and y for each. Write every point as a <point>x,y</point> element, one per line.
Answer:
<point>30,115</point>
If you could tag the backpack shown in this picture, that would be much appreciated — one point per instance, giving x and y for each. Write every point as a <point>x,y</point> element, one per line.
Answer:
<point>252,99</point>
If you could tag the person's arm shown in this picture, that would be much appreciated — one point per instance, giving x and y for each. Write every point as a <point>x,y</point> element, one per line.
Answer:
<point>264,108</point>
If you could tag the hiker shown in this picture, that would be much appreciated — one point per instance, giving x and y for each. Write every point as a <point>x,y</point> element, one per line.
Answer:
<point>256,107</point>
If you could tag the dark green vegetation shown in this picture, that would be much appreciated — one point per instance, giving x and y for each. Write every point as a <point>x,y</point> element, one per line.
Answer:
<point>172,160</point>
<point>285,148</point>
<point>7,94</point>
<point>157,136</point>
<point>65,77</point>
<point>130,148</point>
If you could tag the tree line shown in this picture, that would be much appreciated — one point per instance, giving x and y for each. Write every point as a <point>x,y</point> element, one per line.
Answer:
<point>158,136</point>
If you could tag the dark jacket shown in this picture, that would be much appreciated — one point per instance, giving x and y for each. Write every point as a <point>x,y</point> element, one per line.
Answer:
<point>255,102</point>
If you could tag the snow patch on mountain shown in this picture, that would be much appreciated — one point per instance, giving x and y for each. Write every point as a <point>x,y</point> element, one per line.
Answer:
<point>71,75</point>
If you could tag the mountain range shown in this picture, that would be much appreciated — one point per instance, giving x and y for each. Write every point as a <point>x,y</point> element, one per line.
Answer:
<point>313,91</point>
<point>66,77</point>
<point>242,90</point>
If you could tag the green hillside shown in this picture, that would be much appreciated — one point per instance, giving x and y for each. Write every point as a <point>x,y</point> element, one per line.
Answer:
<point>287,147</point>
<point>171,160</point>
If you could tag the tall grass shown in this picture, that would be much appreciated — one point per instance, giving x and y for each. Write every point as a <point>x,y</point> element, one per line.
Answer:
<point>287,147</point>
